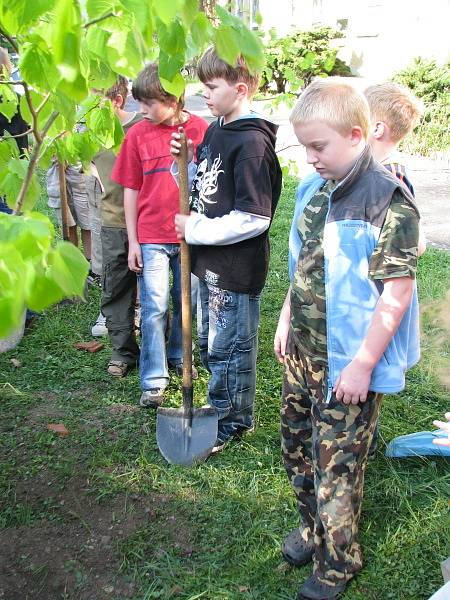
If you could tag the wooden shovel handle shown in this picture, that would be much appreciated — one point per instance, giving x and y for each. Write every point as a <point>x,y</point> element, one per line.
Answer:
<point>186,308</point>
<point>64,202</point>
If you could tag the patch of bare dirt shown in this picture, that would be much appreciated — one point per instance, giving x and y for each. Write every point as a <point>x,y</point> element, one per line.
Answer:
<point>122,409</point>
<point>76,556</point>
<point>49,409</point>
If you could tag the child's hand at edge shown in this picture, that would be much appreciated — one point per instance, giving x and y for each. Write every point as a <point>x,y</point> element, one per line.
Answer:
<point>135,258</point>
<point>444,427</point>
<point>353,383</point>
<point>180,225</point>
<point>175,146</point>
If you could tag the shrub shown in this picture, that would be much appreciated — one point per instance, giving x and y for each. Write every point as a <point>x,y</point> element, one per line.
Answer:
<point>430,82</point>
<point>292,61</point>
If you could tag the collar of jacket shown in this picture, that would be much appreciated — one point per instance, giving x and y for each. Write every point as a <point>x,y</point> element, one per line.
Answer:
<point>363,163</point>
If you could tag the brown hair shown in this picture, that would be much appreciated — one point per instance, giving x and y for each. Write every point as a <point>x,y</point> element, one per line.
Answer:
<point>396,105</point>
<point>120,87</point>
<point>336,102</point>
<point>147,86</point>
<point>211,66</point>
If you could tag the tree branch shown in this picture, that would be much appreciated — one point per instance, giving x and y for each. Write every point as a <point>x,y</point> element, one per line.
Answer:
<point>32,164</point>
<point>10,39</point>
<point>18,135</point>
<point>98,19</point>
<point>43,103</point>
<point>286,147</point>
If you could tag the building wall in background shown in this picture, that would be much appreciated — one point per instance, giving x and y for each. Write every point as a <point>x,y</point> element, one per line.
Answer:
<point>381,36</point>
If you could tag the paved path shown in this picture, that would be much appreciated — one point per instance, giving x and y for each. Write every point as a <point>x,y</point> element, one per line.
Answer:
<point>430,177</point>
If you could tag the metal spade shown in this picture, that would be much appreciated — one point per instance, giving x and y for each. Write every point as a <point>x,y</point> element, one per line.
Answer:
<point>186,435</point>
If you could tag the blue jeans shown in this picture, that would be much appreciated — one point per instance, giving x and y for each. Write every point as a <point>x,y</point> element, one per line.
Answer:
<point>227,326</point>
<point>158,259</point>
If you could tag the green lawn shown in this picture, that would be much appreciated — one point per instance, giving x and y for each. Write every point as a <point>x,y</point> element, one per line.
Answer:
<point>99,514</point>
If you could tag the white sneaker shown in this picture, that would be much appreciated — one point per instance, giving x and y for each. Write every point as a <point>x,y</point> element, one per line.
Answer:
<point>100,329</point>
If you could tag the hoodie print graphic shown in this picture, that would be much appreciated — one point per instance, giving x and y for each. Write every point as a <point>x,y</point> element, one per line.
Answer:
<point>205,183</point>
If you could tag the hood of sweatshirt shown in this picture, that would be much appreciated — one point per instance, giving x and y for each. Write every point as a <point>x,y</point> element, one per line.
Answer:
<point>250,123</point>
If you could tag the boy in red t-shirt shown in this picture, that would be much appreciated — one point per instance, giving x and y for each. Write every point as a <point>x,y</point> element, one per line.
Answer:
<point>151,203</point>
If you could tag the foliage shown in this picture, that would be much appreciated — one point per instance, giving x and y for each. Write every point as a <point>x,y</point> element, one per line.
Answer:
<point>66,48</point>
<point>212,532</point>
<point>431,83</point>
<point>292,61</point>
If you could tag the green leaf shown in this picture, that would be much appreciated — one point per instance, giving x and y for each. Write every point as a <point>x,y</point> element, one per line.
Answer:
<point>226,18</point>
<point>76,89</point>
<point>31,234</point>
<point>166,10</point>
<point>252,50</point>
<point>227,44</point>
<point>26,12</point>
<point>176,86</point>
<point>97,8</point>
<point>101,75</point>
<point>36,99</point>
<point>101,124</point>
<point>8,149</point>
<point>66,48</point>
<point>96,40</point>
<point>8,101</point>
<point>68,268</point>
<point>118,134</point>
<point>201,31</point>
<point>12,285</point>
<point>37,67</point>
<point>140,10</point>
<point>11,180</point>
<point>189,11</point>
<point>65,105</point>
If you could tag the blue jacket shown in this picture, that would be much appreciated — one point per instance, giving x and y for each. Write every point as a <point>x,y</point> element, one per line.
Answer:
<point>356,213</point>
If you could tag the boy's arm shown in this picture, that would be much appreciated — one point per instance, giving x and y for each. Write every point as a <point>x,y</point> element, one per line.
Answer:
<point>134,249</point>
<point>281,334</point>
<point>353,383</point>
<point>232,228</point>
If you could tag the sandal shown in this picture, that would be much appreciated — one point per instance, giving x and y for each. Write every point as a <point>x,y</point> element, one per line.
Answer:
<point>117,368</point>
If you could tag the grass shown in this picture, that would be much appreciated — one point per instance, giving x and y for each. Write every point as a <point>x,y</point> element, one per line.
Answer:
<point>217,528</point>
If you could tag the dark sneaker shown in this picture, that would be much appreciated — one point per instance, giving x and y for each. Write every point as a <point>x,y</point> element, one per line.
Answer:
<point>179,370</point>
<point>152,398</point>
<point>313,589</point>
<point>295,550</point>
<point>220,445</point>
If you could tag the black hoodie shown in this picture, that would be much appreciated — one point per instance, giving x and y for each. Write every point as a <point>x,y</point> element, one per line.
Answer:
<point>237,170</point>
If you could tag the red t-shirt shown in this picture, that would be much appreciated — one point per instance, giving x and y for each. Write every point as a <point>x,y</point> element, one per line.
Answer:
<point>143,164</point>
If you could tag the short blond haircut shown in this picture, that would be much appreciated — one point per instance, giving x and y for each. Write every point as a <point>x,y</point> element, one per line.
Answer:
<point>334,101</point>
<point>396,105</point>
<point>211,66</point>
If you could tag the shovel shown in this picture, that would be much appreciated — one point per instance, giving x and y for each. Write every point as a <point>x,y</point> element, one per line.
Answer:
<point>186,436</point>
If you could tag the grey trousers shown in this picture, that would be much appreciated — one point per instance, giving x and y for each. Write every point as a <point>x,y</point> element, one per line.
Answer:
<point>119,288</point>
<point>94,196</point>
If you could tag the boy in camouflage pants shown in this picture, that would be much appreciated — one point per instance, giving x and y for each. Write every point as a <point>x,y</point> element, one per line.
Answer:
<point>348,329</point>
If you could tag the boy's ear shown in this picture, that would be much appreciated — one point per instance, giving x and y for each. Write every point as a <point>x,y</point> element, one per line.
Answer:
<point>356,135</point>
<point>118,101</point>
<point>378,129</point>
<point>242,90</point>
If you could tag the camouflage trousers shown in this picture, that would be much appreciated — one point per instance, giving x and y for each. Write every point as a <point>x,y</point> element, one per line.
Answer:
<point>325,450</point>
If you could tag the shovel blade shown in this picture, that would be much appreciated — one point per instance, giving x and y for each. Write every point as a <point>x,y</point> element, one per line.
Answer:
<point>184,440</point>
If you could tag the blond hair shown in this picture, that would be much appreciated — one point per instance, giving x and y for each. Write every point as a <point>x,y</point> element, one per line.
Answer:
<point>334,101</point>
<point>396,105</point>
<point>211,66</point>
